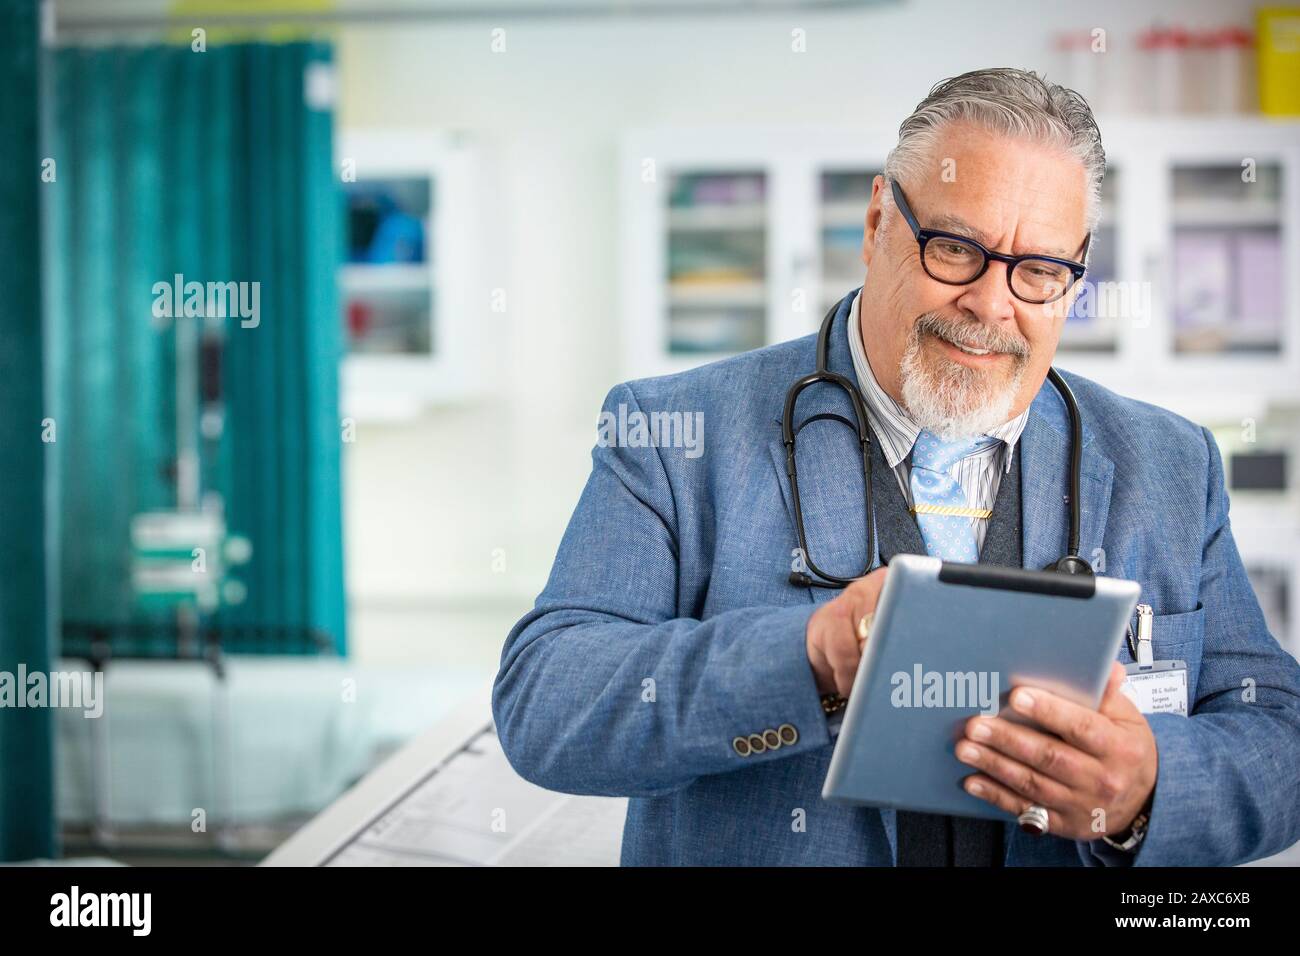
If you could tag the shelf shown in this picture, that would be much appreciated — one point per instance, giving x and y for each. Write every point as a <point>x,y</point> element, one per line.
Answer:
<point>716,331</point>
<point>386,277</point>
<point>1241,339</point>
<point>1095,336</point>
<point>743,293</point>
<point>1224,212</point>
<point>844,214</point>
<point>718,218</point>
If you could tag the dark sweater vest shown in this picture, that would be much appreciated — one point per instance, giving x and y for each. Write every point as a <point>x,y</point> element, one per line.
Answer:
<point>928,839</point>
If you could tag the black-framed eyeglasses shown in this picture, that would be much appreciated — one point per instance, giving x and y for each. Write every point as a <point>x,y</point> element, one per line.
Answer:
<point>959,260</point>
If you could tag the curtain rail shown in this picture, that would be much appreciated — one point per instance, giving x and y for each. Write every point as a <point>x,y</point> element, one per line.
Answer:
<point>63,26</point>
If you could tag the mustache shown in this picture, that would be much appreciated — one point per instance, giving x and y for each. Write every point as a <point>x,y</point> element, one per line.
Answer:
<point>971,334</point>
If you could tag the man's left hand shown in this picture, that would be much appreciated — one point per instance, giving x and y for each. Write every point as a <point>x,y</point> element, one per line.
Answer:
<point>1105,760</point>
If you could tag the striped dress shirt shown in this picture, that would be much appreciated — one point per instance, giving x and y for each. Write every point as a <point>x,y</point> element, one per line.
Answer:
<point>978,474</point>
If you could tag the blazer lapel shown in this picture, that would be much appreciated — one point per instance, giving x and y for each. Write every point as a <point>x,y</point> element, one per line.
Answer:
<point>829,469</point>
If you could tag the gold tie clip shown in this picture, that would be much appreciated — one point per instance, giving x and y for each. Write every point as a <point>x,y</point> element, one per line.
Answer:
<point>951,511</point>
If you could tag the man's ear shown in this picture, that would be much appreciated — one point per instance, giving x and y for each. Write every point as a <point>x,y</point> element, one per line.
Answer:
<point>871,231</point>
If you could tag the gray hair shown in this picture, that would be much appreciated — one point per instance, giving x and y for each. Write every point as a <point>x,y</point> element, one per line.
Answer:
<point>1014,103</point>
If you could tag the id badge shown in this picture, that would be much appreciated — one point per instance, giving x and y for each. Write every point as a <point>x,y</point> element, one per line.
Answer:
<point>1157,688</point>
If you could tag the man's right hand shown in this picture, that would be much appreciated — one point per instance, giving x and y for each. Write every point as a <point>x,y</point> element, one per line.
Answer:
<point>832,635</point>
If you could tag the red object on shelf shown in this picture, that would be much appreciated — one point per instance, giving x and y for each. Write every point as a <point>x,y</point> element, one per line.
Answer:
<point>1236,36</point>
<point>359,318</point>
<point>1160,38</point>
<point>1074,40</point>
<point>1222,38</point>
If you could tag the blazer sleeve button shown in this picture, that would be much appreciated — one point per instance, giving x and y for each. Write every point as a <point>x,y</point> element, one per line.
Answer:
<point>788,734</point>
<point>741,746</point>
<point>756,743</point>
<point>772,739</point>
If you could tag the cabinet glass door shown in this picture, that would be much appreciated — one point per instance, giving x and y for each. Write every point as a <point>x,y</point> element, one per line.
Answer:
<point>388,296</point>
<point>845,195</point>
<point>717,261</point>
<point>1104,301</point>
<point>1227,258</point>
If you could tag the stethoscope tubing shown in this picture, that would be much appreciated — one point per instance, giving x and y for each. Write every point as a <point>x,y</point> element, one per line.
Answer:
<point>1071,563</point>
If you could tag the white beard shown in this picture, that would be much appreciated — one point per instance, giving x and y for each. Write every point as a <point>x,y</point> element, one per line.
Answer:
<point>957,401</point>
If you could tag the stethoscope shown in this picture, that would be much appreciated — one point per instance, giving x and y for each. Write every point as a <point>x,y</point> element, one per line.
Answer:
<point>1071,563</point>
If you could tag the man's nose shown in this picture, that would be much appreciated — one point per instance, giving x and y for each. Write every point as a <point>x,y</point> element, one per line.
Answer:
<point>989,297</point>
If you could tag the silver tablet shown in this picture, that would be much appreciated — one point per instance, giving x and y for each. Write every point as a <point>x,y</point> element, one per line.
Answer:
<point>951,640</point>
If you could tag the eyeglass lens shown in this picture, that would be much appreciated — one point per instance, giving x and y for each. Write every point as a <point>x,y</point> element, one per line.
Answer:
<point>1034,280</point>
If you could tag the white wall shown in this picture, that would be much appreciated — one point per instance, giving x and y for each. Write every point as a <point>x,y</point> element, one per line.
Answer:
<point>427,502</point>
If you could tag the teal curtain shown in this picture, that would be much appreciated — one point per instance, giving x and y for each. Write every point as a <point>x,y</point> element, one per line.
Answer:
<point>26,775</point>
<point>215,166</point>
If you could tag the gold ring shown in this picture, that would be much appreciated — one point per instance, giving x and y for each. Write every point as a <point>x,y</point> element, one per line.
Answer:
<point>864,626</point>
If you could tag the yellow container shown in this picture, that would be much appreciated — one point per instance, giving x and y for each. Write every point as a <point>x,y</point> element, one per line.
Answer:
<point>1278,42</point>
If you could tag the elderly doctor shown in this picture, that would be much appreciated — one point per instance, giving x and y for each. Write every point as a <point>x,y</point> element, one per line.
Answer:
<point>671,658</point>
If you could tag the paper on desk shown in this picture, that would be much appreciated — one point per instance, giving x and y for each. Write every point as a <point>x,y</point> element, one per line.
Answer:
<point>474,810</point>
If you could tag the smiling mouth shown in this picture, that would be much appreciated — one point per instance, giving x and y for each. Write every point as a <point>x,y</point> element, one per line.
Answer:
<point>968,349</point>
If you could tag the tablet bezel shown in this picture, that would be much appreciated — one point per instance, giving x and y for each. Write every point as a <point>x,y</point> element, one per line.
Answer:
<point>1110,603</point>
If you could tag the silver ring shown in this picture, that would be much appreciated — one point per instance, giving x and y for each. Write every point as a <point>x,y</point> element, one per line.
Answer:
<point>1033,820</point>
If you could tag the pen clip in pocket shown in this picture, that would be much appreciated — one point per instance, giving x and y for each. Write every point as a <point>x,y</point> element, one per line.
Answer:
<point>1140,645</point>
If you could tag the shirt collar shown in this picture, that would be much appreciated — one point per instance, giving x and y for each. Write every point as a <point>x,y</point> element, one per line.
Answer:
<point>893,427</point>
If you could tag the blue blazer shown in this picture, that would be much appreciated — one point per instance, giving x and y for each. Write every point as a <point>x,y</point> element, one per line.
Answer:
<point>668,626</point>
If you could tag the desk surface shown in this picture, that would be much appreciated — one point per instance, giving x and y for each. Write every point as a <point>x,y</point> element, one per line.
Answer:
<point>450,798</point>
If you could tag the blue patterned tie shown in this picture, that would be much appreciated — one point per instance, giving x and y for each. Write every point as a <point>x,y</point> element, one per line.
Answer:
<point>950,537</point>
